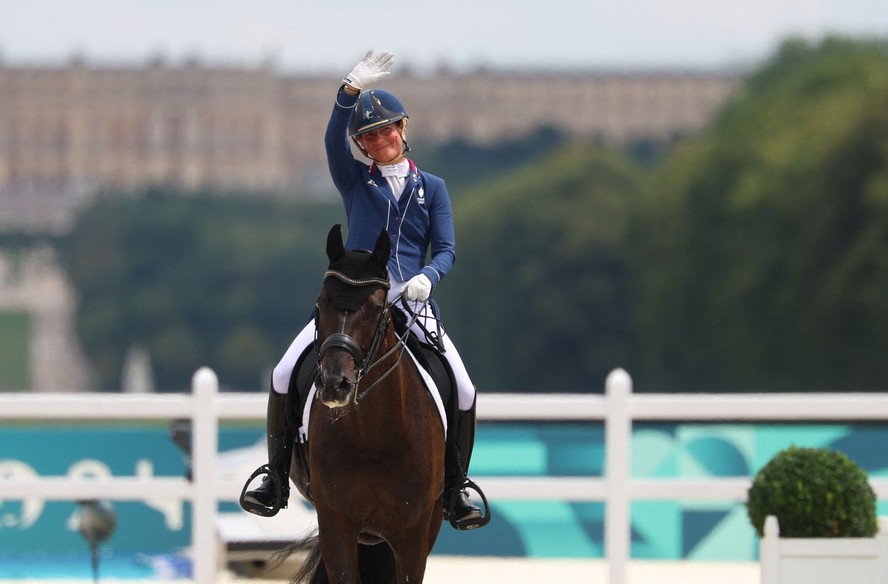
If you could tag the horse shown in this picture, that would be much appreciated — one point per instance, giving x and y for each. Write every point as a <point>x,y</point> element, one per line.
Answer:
<point>375,460</point>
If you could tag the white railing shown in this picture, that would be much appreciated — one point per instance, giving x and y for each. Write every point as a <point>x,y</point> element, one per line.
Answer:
<point>618,408</point>
<point>805,560</point>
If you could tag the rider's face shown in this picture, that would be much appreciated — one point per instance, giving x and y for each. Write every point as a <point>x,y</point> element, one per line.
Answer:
<point>385,144</point>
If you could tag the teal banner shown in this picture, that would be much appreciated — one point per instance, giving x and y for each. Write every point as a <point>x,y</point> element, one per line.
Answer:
<point>700,530</point>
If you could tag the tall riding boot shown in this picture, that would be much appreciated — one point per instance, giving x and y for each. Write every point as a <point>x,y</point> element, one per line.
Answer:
<point>272,495</point>
<point>463,511</point>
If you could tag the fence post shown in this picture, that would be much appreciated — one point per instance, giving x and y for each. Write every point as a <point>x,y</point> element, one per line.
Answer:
<point>883,550</point>
<point>204,450</point>
<point>769,551</point>
<point>618,436</point>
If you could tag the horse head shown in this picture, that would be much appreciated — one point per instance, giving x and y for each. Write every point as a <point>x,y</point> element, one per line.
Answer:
<point>352,317</point>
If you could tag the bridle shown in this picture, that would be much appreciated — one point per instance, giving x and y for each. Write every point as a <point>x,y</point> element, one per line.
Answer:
<point>365,361</point>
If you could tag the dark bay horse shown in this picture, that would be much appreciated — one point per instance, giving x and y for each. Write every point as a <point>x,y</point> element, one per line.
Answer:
<point>375,437</point>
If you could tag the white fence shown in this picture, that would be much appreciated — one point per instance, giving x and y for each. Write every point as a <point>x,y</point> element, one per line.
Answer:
<point>618,408</point>
<point>808,560</point>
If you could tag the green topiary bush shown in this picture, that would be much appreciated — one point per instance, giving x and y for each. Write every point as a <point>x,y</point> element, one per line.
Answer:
<point>813,492</point>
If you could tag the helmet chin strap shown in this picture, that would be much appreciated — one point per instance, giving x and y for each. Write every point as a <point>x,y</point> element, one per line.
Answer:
<point>404,145</point>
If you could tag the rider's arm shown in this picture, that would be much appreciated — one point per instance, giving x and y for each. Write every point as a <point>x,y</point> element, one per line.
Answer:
<point>442,239</point>
<point>340,160</point>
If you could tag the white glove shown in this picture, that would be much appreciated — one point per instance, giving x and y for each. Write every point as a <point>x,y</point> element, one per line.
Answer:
<point>418,288</point>
<point>373,67</point>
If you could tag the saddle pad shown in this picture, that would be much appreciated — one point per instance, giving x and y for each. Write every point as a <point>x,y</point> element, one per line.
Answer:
<point>302,434</point>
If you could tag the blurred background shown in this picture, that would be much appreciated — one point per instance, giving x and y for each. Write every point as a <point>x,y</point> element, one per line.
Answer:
<point>696,193</point>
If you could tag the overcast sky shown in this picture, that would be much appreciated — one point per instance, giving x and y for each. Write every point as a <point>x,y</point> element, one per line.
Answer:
<point>331,35</point>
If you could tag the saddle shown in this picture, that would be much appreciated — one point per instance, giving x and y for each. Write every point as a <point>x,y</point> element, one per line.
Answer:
<point>306,371</point>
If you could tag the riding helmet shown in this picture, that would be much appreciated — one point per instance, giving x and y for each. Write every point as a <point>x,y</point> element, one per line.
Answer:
<point>375,108</point>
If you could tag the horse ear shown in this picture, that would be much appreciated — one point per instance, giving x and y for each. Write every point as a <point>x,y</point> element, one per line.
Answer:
<point>383,250</point>
<point>335,249</point>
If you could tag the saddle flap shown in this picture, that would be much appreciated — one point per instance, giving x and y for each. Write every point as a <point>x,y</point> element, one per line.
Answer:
<point>441,373</point>
<point>301,381</point>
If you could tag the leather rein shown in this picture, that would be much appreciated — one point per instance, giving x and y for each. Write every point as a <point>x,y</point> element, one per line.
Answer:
<point>366,361</point>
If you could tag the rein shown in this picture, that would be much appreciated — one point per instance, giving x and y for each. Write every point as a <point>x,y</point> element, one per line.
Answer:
<point>366,361</point>
<point>400,346</point>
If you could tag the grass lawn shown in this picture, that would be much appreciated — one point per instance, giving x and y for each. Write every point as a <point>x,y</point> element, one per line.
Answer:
<point>14,359</point>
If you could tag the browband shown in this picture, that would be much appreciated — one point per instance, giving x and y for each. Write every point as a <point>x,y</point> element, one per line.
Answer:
<point>352,282</point>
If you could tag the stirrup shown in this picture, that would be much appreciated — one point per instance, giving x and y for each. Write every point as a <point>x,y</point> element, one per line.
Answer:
<point>262,510</point>
<point>468,524</point>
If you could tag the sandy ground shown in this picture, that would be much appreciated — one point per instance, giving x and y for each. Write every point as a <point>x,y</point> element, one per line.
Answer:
<point>448,570</point>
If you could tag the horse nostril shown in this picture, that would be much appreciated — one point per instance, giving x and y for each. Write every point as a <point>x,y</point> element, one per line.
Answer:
<point>344,384</point>
<point>336,382</point>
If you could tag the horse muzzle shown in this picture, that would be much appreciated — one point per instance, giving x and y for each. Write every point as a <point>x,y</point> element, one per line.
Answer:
<point>334,389</point>
<point>338,370</point>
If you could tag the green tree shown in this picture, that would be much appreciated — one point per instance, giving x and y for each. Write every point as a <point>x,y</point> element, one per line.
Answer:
<point>199,279</point>
<point>759,247</point>
<point>464,164</point>
<point>538,299</point>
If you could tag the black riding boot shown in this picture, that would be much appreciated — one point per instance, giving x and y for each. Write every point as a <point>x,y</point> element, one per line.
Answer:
<point>272,495</point>
<point>463,513</point>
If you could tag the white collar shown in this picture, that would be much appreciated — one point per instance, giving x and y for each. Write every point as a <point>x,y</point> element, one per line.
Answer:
<point>399,170</point>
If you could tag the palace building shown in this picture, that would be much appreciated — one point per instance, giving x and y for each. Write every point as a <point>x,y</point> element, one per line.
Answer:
<point>69,131</point>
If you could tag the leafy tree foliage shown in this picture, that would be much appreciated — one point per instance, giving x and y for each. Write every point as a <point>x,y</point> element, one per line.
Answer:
<point>464,164</point>
<point>223,281</point>
<point>751,257</point>
<point>538,298</point>
<point>760,249</point>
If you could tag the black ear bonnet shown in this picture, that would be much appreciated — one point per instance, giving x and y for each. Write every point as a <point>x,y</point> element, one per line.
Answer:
<point>353,278</point>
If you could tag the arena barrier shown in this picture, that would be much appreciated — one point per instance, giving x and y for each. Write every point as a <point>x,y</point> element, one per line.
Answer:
<point>618,408</point>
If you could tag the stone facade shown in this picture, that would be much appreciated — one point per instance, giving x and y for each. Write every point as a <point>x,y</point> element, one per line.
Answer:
<point>68,131</point>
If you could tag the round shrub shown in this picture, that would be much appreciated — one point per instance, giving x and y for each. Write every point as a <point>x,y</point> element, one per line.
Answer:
<point>813,492</point>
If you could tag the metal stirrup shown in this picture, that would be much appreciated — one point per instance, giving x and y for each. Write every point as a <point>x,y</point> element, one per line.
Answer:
<point>278,493</point>
<point>466,485</point>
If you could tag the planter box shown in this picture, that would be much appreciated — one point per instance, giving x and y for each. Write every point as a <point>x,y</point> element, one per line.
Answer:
<point>839,560</point>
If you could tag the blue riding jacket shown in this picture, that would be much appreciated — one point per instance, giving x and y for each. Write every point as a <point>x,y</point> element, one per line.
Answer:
<point>418,220</point>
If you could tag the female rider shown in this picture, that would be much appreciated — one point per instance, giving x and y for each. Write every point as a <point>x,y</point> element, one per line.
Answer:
<point>414,207</point>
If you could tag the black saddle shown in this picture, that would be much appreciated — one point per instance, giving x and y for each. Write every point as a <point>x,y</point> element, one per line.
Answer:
<point>306,371</point>
<point>303,377</point>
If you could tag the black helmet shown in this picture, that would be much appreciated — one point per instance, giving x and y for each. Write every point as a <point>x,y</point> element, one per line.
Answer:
<point>375,108</point>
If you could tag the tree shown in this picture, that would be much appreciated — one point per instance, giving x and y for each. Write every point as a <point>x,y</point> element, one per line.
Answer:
<point>538,300</point>
<point>759,246</point>
<point>200,279</point>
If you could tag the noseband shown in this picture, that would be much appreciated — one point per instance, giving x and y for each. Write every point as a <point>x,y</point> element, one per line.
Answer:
<point>365,361</point>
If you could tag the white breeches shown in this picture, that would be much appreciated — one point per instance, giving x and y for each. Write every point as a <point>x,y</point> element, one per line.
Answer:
<point>280,377</point>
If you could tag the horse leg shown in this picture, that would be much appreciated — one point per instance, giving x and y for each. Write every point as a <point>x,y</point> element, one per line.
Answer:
<point>411,555</point>
<point>411,565</point>
<point>435,523</point>
<point>339,548</point>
